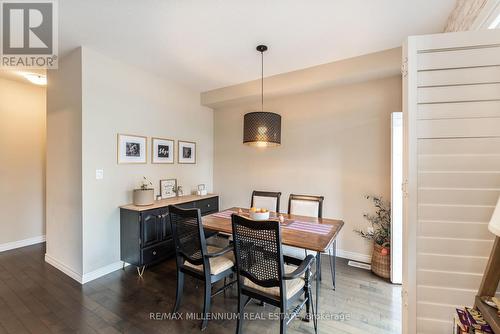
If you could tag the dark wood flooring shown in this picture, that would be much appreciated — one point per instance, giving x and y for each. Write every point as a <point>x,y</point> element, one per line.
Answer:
<point>37,298</point>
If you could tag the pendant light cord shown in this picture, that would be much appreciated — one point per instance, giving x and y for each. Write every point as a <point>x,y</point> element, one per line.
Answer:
<point>262,81</point>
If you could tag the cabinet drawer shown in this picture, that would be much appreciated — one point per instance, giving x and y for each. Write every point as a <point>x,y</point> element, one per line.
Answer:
<point>188,205</point>
<point>157,252</point>
<point>208,205</point>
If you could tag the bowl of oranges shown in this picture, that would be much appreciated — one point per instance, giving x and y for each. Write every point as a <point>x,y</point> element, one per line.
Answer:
<point>258,214</point>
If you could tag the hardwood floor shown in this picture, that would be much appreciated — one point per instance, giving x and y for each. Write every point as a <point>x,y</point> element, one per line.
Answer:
<point>37,298</point>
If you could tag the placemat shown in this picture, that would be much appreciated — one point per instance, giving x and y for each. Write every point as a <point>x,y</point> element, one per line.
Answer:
<point>309,227</point>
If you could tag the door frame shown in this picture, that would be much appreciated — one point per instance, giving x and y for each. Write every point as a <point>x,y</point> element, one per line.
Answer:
<point>409,187</point>
<point>396,197</point>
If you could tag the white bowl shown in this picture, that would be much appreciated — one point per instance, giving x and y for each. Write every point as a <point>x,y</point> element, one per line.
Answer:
<point>259,215</point>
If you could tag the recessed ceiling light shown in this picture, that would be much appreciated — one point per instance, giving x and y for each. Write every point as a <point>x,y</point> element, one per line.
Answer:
<point>496,23</point>
<point>37,79</point>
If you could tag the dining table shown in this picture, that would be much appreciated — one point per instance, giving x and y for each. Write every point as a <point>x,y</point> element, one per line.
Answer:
<point>309,233</point>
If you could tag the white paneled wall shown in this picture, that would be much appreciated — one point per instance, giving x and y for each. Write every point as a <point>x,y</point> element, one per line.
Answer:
<point>455,92</point>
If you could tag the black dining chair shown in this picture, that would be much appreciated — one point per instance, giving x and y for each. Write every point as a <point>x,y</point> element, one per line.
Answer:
<point>263,275</point>
<point>310,206</point>
<point>266,200</point>
<point>269,200</point>
<point>197,259</point>
<point>306,205</point>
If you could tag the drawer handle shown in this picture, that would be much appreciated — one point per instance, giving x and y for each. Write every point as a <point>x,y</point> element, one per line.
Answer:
<point>154,252</point>
<point>208,205</point>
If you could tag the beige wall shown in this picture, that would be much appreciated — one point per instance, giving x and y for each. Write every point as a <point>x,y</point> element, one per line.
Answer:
<point>119,98</point>
<point>64,165</point>
<point>335,142</point>
<point>92,98</point>
<point>22,162</point>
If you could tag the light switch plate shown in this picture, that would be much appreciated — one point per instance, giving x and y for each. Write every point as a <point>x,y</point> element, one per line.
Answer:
<point>99,174</point>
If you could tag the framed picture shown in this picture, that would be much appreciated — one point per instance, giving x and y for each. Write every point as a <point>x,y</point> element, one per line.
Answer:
<point>186,152</point>
<point>162,151</point>
<point>168,188</point>
<point>132,149</point>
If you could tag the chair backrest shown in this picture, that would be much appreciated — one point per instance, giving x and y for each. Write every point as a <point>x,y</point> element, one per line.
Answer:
<point>258,254</point>
<point>188,234</point>
<point>306,205</point>
<point>266,200</point>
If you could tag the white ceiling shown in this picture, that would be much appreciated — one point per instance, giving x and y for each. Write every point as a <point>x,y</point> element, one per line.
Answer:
<point>207,44</point>
<point>16,74</point>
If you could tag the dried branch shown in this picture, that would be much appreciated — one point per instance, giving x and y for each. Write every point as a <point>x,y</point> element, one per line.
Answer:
<point>380,221</point>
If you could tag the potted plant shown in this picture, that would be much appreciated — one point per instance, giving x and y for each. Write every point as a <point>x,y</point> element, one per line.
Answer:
<point>380,233</point>
<point>144,195</point>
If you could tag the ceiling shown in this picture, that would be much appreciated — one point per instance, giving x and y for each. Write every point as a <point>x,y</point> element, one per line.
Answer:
<point>207,44</point>
<point>16,75</point>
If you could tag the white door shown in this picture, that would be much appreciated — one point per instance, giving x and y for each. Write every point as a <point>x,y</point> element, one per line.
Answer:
<point>396,197</point>
<point>451,100</point>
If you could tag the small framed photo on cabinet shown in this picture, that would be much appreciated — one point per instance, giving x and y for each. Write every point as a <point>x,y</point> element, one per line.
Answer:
<point>162,151</point>
<point>131,149</point>
<point>168,188</point>
<point>186,152</point>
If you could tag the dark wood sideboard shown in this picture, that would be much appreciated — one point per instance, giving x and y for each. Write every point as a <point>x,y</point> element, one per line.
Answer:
<point>145,232</point>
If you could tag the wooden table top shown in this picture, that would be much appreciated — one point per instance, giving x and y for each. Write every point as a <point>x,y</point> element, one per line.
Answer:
<point>166,202</point>
<point>291,237</point>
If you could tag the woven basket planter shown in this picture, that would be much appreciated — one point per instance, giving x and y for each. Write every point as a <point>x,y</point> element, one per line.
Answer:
<point>381,261</point>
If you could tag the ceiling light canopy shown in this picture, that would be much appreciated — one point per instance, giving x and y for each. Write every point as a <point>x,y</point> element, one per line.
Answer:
<point>262,128</point>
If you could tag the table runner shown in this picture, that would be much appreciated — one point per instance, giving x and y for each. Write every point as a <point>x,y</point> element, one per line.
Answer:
<point>292,224</point>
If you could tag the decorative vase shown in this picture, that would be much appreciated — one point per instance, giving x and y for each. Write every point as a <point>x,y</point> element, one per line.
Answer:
<point>381,260</point>
<point>143,197</point>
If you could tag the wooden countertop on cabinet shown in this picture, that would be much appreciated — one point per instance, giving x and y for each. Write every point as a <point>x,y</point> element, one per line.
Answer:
<point>166,202</point>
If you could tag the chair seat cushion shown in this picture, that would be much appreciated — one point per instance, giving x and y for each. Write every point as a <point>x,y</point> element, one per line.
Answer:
<point>217,264</point>
<point>292,286</point>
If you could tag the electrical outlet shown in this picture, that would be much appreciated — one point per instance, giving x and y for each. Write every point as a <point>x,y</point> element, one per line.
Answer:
<point>99,174</point>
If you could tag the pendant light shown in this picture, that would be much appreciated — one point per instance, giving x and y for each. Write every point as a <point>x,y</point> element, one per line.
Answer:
<point>262,128</point>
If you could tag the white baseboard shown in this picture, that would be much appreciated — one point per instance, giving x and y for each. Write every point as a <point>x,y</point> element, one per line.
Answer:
<point>85,278</point>
<point>64,268</point>
<point>354,256</point>
<point>103,271</point>
<point>21,243</point>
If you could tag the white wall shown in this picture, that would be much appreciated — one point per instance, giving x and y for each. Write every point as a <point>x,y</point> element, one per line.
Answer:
<point>22,163</point>
<point>335,143</point>
<point>118,98</point>
<point>115,98</point>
